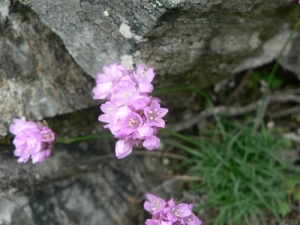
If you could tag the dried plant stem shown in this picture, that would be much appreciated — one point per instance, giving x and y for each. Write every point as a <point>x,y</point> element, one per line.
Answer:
<point>280,97</point>
<point>179,177</point>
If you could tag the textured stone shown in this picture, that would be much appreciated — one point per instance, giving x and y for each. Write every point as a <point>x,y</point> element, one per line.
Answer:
<point>189,43</point>
<point>38,78</point>
<point>79,185</point>
<point>291,60</point>
<point>15,210</point>
<point>172,41</point>
<point>193,43</point>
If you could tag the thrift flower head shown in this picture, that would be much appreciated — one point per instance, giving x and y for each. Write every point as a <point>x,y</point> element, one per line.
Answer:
<point>130,113</point>
<point>168,213</point>
<point>33,140</point>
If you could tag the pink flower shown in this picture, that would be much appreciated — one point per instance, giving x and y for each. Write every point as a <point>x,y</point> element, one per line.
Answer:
<point>131,115</point>
<point>20,125</point>
<point>124,93</point>
<point>157,222</point>
<point>144,78</point>
<point>33,140</point>
<point>123,148</point>
<point>140,102</point>
<point>41,156</point>
<point>47,135</point>
<point>168,213</point>
<point>152,222</point>
<point>110,109</point>
<point>106,81</point>
<point>192,219</point>
<point>154,204</point>
<point>154,114</point>
<point>177,212</point>
<point>131,123</point>
<point>145,131</point>
<point>151,143</point>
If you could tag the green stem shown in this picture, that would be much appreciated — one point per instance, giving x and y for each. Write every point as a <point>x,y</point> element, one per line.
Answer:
<point>96,136</point>
<point>275,67</point>
<point>82,138</point>
<point>274,70</point>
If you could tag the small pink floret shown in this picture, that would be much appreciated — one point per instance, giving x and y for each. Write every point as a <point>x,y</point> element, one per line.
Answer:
<point>154,204</point>
<point>123,148</point>
<point>151,142</point>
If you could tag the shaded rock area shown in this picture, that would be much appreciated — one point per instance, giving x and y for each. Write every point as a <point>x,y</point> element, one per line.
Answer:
<point>81,183</point>
<point>291,61</point>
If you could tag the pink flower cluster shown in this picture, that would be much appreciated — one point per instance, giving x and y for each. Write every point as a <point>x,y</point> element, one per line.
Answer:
<point>132,115</point>
<point>168,213</point>
<point>32,139</point>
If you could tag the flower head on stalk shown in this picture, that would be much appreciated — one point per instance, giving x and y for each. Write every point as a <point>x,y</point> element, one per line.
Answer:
<point>32,139</point>
<point>130,113</point>
<point>168,213</point>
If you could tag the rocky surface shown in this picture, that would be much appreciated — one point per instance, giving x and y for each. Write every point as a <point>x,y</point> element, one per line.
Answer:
<point>291,60</point>
<point>52,49</point>
<point>194,43</point>
<point>38,78</point>
<point>81,183</point>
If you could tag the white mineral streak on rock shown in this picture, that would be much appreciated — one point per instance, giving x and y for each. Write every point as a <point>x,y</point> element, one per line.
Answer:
<point>127,61</point>
<point>254,41</point>
<point>138,38</point>
<point>4,8</point>
<point>125,30</point>
<point>15,91</point>
<point>176,2</point>
<point>106,13</point>
<point>270,51</point>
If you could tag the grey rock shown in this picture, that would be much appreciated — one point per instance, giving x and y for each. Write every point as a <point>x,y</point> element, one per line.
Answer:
<point>172,41</point>
<point>51,50</point>
<point>38,78</point>
<point>193,43</point>
<point>15,210</point>
<point>291,58</point>
<point>80,184</point>
<point>99,32</point>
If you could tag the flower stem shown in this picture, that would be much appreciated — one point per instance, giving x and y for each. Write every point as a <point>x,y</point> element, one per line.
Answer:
<point>82,138</point>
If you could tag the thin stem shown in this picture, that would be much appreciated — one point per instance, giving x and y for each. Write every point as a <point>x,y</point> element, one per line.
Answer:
<point>274,70</point>
<point>82,138</point>
<point>275,67</point>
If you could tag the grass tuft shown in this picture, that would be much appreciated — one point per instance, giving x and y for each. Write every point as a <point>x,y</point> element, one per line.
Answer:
<point>245,174</point>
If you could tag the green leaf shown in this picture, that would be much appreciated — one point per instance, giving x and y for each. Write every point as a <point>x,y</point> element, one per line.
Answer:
<point>283,208</point>
<point>296,195</point>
